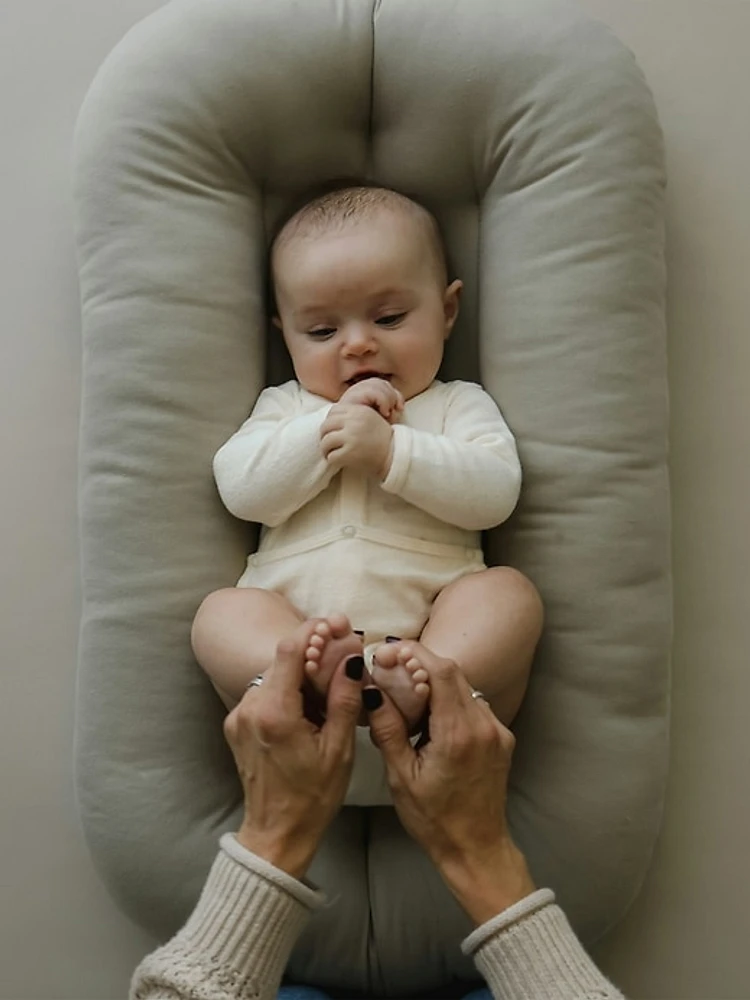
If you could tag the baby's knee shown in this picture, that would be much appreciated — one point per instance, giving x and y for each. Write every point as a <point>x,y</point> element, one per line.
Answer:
<point>514,581</point>
<point>513,586</point>
<point>214,604</point>
<point>212,609</point>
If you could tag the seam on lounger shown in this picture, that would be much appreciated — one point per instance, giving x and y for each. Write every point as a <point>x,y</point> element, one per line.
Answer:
<point>371,115</point>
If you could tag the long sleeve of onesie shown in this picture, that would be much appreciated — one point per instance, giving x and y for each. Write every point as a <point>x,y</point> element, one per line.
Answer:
<point>470,474</point>
<point>273,464</point>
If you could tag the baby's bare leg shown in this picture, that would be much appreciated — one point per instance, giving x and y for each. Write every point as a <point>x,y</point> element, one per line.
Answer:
<point>236,631</point>
<point>235,634</point>
<point>489,623</point>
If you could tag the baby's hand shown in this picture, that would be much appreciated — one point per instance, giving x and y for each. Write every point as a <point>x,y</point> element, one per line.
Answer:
<point>357,437</point>
<point>379,394</point>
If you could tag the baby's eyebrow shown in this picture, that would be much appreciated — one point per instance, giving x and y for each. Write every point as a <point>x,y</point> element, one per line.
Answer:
<point>309,312</point>
<point>314,311</point>
<point>389,293</point>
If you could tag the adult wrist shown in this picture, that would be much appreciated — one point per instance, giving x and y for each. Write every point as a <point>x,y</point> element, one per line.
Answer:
<point>489,881</point>
<point>292,855</point>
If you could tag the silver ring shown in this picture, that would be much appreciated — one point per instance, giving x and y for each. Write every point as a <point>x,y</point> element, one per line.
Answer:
<point>476,694</point>
<point>255,682</point>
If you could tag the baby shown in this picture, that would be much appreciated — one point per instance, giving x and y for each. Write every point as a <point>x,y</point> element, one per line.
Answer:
<point>372,479</point>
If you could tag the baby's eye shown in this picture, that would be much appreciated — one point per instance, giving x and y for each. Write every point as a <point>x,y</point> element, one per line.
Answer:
<point>391,320</point>
<point>321,332</point>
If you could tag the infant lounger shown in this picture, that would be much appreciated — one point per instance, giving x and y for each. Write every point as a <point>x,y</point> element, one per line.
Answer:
<point>530,131</point>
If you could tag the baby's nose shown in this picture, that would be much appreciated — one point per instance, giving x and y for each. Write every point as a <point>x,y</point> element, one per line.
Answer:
<point>359,340</point>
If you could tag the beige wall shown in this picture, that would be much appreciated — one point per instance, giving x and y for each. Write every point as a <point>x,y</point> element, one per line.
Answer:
<point>686,937</point>
<point>688,934</point>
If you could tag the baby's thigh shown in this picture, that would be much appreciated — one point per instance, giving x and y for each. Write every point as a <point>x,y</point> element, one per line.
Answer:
<point>234,608</point>
<point>237,629</point>
<point>491,592</point>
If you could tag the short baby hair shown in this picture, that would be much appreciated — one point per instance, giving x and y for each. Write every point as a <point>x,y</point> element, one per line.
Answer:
<point>341,202</point>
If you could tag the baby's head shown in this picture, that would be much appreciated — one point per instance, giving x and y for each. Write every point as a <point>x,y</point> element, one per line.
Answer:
<point>361,289</point>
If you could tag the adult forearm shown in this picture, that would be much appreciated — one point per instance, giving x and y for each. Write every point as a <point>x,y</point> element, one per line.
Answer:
<point>291,854</point>
<point>488,883</point>
<point>524,946</point>
<point>238,939</point>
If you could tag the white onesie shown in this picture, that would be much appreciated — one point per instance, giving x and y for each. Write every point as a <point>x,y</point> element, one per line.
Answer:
<point>378,552</point>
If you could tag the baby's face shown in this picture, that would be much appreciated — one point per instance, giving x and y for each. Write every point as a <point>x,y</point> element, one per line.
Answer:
<point>364,300</point>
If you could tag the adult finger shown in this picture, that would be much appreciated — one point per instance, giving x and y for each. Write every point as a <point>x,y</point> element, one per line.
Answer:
<point>286,674</point>
<point>388,732</point>
<point>447,683</point>
<point>343,705</point>
<point>450,693</point>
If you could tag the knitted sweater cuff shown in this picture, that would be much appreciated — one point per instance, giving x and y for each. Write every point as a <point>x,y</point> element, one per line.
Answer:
<point>530,950</point>
<point>240,934</point>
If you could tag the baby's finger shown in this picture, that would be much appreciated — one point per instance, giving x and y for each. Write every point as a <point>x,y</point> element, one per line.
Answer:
<point>334,421</point>
<point>376,395</point>
<point>333,441</point>
<point>335,457</point>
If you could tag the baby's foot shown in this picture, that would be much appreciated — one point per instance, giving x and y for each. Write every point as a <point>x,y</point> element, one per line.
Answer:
<point>397,670</point>
<point>332,639</point>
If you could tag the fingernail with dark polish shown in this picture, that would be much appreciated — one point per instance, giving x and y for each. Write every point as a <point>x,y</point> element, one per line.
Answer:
<point>355,667</point>
<point>372,699</point>
<point>393,638</point>
<point>359,631</point>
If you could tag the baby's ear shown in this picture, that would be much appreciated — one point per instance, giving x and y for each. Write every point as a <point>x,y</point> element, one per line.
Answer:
<point>450,304</point>
<point>276,322</point>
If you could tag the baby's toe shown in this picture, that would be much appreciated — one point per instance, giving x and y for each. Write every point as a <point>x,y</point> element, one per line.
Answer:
<point>321,633</point>
<point>385,656</point>
<point>338,626</point>
<point>313,653</point>
<point>419,675</point>
<point>317,644</point>
<point>405,653</point>
<point>312,668</point>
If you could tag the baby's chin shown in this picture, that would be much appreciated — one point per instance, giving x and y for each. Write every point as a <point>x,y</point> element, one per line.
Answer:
<point>317,390</point>
<point>335,396</point>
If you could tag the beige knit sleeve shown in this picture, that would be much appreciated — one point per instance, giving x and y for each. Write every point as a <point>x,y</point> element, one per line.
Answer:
<point>529,952</point>
<point>238,939</point>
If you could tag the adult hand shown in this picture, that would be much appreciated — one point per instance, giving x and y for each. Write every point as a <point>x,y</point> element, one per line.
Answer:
<point>450,795</point>
<point>377,393</point>
<point>294,773</point>
<point>354,436</point>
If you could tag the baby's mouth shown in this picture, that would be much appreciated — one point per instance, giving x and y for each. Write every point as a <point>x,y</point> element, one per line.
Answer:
<point>363,375</point>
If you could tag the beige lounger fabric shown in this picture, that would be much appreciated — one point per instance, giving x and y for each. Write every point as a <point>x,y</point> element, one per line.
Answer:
<point>530,131</point>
